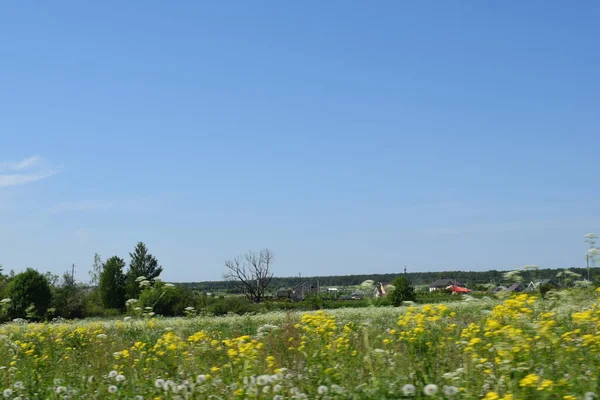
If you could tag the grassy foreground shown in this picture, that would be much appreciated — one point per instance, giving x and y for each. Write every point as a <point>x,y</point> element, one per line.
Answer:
<point>519,348</point>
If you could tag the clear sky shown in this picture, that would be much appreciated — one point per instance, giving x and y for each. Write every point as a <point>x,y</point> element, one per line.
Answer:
<point>347,136</point>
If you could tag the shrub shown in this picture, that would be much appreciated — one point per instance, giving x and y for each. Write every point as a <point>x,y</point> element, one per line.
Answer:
<point>403,291</point>
<point>167,300</point>
<point>30,294</point>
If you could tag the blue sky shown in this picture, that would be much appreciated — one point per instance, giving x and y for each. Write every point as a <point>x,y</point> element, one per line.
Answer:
<point>347,136</point>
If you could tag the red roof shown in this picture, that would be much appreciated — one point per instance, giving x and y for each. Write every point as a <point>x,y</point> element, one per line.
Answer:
<point>458,289</point>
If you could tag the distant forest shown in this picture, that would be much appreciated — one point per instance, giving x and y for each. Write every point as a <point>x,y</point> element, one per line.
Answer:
<point>469,278</point>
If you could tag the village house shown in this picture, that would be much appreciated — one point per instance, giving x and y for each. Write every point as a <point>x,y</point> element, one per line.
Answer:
<point>443,284</point>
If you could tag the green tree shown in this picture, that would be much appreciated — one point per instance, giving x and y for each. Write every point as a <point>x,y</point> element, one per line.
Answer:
<point>143,264</point>
<point>167,299</point>
<point>68,298</point>
<point>403,291</point>
<point>29,289</point>
<point>96,270</point>
<point>112,283</point>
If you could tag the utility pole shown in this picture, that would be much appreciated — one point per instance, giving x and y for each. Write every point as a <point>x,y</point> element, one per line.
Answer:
<point>405,270</point>
<point>73,273</point>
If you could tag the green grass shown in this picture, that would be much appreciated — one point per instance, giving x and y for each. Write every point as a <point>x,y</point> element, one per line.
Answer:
<point>362,353</point>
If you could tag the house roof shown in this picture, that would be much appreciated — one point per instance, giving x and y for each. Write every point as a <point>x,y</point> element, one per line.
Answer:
<point>444,283</point>
<point>458,289</point>
<point>515,286</point>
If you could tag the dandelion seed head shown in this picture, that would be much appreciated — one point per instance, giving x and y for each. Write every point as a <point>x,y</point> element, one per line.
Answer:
<point>113,389</point>
<point>430,390</point>
<point>409,390</point>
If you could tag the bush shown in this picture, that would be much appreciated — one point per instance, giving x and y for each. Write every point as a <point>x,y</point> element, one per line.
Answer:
<point>168,301</point>
<point>403,291</point>
<point>30,294</point>
<point>68,299</point>
<point>236,305</point>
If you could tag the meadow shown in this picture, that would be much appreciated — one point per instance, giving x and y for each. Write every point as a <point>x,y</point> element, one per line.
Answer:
<point>521,347</point>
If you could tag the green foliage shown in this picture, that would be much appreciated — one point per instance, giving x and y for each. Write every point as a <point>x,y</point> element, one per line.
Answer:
<point>112,284</point>
<point>235,305</point>
<point>167,300</point>
<point>403,291</point>
<point>68,299</point>
<point>142,264</point>
<point>30,294</point>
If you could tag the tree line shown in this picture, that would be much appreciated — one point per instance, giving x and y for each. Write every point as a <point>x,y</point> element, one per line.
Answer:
<point>469,278</point>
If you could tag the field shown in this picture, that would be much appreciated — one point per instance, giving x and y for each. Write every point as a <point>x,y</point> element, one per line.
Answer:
<point>521,347</point>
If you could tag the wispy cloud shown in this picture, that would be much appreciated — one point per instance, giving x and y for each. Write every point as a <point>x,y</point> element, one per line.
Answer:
<point>25,171</point>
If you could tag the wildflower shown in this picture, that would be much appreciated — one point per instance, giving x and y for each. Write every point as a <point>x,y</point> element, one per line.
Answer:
<point>278,397</point>
<point>450,390</point>
<point>60,389</point>
<point>491,396</point>
<point>201,378</point>
<point>277,388</point>
<point>409,390</point>
<point>159,383</point>
<point>169,285</point>
<point>113,373</point>
<point>336,388</point>
<point>263,380</point>
<point>529,380</point>
<point>90,379</point>
<point>19,385</point>
<point>266,389</point>
<point>127,318</point>
<point>138,397</point>
<point>322,389</point>
<point>112,389</point>
<point>430,390</point>
<point>120,378</point>
<point>7,393</point>
<point>590,396</point>
<point>546,383</point>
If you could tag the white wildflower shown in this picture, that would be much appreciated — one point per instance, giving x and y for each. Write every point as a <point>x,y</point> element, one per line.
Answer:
<point>90,379</point>
<point>450,390</point>
<point>278,397</point>
<point>590,396</point>
<point>336,389</point>
<point>266,389</point>
<point>18,385</point>
<point>201,378</point>
<point>113,373</point>
<point>430,390</point>
<point>262,380</point>
<point>159,383</point>
<point>113,389</point>
<point>60,389</point>
<point>277,388</point>
<point>127,318</point>
<point>409,390</point>
<point>7,393</point>
<point>322,389</point>
<point>120,378</point>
